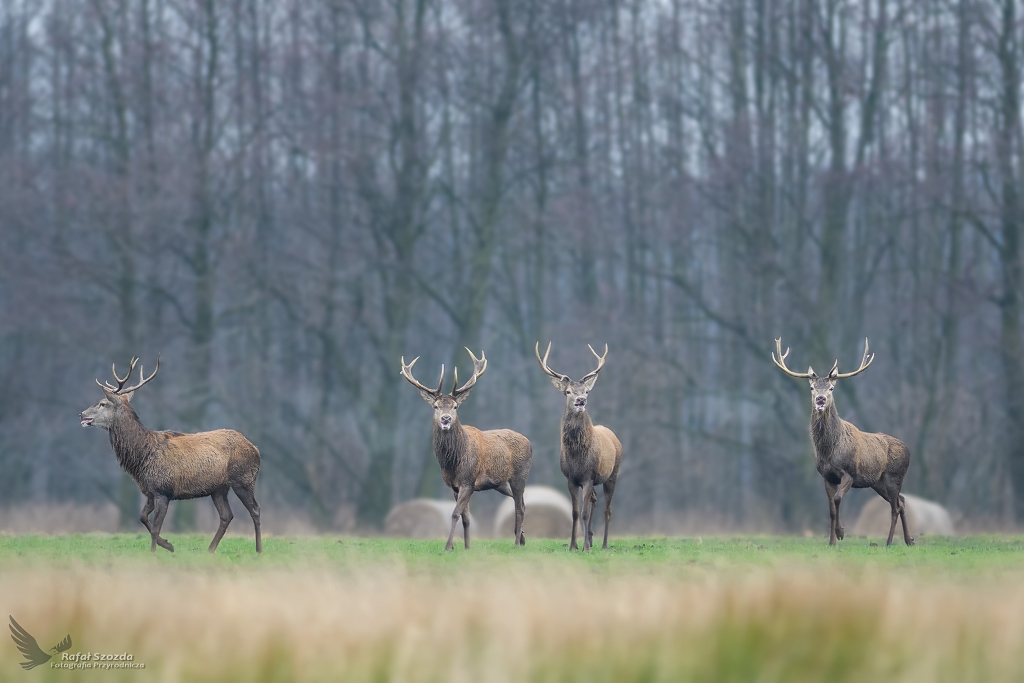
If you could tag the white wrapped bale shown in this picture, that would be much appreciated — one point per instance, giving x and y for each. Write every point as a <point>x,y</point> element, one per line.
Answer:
<point>548,514</point>
<point>923,517</point>
<point>423,518</point>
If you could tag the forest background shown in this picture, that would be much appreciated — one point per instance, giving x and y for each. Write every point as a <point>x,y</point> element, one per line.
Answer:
<point>284,198</point>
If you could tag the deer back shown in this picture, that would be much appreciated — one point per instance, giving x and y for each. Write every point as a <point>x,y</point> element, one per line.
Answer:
<point>194,465</point>
<point>607,451</point>
<point>502,455</point>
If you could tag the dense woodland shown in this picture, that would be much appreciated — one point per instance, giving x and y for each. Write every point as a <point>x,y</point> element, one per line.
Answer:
<point>284,198</point>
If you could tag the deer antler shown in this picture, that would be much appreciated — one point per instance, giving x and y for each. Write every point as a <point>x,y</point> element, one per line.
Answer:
<point>479,366</point>
<point>407,373</point>
<point>544,363</point>
<point>107,386</point>
<point>600,362</point>
<point>120,388</point>
<point>865,361</point>
<point>142,376</point>
<point>781,362</point>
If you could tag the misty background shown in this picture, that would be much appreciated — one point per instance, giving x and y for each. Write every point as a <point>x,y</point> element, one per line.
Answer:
<point>284,198</point>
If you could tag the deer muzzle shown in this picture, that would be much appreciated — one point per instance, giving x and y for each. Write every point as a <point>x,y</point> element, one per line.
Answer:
<point>86,421</point>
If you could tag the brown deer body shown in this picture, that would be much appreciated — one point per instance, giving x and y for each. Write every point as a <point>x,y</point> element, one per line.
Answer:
<point>471,459</point>
<point>174,466</point>
<point>590,455</point>
<point>845,456</point>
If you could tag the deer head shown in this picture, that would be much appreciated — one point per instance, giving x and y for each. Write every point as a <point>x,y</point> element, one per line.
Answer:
<point>115,398</point>
<point>446,405</point>
<point>821,387</point>
<point>575,392</point>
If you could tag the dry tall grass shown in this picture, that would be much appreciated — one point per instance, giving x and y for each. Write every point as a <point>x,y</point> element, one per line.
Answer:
<point>524,622</point>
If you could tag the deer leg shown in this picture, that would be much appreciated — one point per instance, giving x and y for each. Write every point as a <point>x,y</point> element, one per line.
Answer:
<point>144,515</point>
<point>830,491</point>
<point>894,505</point>
<point>220,501</point>
<point>609,491</point>
<point>517,499</point>
<point>589,498</point>
<point>845,483</point>
<point>461,505</point>
<point>249,501</point>
<point>465,519</point>
<point>907,538</point>
<point>575,496</point>
<point>590,516</point>
<point>160,503</point>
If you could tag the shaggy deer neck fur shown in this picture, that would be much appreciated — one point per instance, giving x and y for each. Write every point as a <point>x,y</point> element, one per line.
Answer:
<point>450,446</point>
<point>827,431</point>
<point>577,432</point>
<point>132,443</point>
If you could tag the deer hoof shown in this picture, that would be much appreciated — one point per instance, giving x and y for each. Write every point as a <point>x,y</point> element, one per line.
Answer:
<point>910,540</point>
<point>840,534</point>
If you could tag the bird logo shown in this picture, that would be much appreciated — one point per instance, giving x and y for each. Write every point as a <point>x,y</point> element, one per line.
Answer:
<point>34,656</point>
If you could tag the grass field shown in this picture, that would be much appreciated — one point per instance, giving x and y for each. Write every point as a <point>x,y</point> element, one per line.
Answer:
<point>646,609</point>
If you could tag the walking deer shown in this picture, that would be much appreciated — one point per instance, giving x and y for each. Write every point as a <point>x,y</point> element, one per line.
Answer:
<point>847,457</point>
<point>590,454</point>
<point>470,459</point>
<point>174,466</point>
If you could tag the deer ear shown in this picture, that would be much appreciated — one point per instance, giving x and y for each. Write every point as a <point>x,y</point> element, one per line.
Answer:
<point>127,396</point>
<point>429,398</point>
<point>560,383</point>
<point>461,398</point>
<point>590,382</point>
<point>812,373</point>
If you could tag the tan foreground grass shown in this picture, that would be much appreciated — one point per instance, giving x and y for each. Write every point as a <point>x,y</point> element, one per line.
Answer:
<point>539,622</point>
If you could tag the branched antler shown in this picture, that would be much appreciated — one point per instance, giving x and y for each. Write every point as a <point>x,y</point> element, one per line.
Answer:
<point>479,366</point>
<point>600,362</point>
<point>120,388</point>
<point>865,361</point>
<point>781,362</point>
<point>544,363</point>
<point>407,374</point>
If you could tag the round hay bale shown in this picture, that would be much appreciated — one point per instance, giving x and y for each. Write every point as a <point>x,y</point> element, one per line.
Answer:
<point>423,518</point>
<point>548,514</point>
<point>923,517</point>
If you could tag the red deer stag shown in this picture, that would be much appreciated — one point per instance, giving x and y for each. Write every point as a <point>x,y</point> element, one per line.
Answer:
<point>472,460</point>
<point>847,457</point>
<point>590,454</point>
<point>174,466</point>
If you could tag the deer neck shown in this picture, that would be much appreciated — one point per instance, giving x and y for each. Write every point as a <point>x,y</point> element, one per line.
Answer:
<point>450,446</point>
<point>132,443</point>
<point>577,431</point>
<point>826,431</point>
